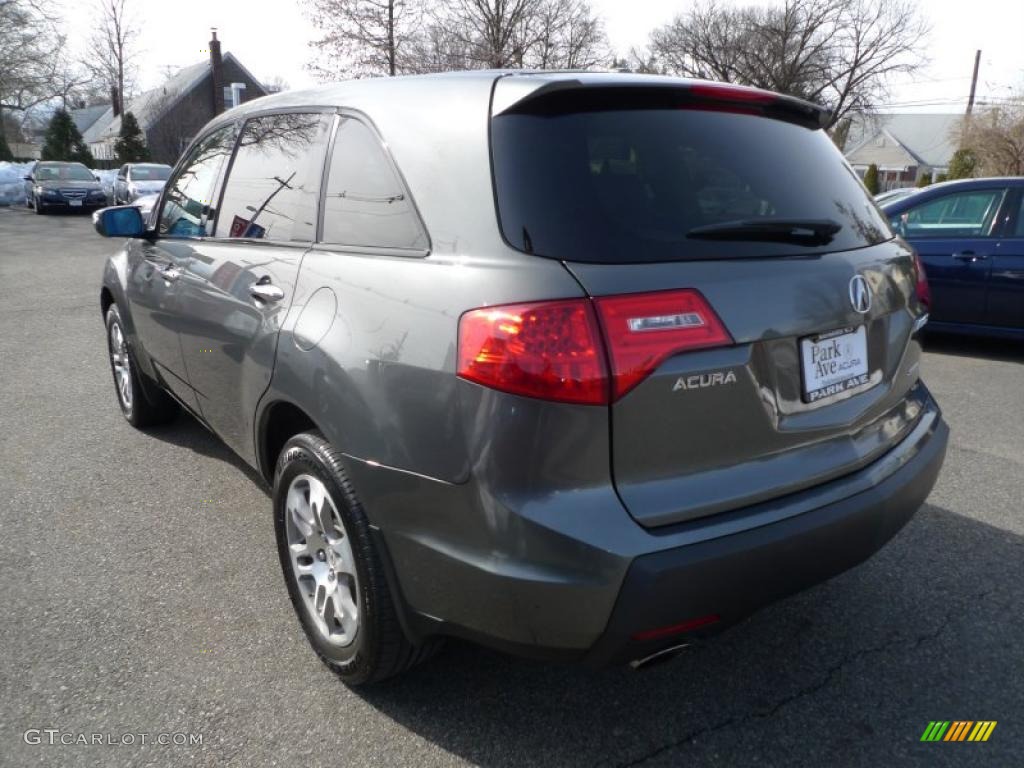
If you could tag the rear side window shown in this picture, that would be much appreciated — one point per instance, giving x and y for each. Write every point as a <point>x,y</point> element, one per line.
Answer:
<point>627,185</point>
<point>964,214</point>
<point>365,202</point>
<point>273,187</point>
<point>188,202</point>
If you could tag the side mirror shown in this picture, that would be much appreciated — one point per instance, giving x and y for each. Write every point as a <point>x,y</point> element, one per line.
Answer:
<point>27,178</point>
<point>119,221</point>
<point>96,176</point>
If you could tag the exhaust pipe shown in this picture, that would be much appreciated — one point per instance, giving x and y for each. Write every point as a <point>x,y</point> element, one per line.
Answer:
<point>665,654</point>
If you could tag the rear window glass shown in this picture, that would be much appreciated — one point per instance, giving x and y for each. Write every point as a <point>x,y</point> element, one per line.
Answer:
<point>628,185</point>
<point>150,172</point>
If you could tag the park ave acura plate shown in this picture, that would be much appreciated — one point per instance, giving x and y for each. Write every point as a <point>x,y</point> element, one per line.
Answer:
<point>834,362</point>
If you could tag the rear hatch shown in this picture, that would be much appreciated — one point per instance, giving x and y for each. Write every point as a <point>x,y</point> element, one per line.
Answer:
<point>756,310</point>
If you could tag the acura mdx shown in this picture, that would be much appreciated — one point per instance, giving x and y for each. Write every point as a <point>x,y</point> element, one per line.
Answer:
<point>578,366</point>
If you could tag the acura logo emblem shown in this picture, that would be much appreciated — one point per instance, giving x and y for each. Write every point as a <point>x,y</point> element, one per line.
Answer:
<point>860,294</point>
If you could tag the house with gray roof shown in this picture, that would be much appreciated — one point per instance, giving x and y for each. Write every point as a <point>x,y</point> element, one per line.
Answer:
<point>171,114</point>
<point>903,146</point>
<point>86,117</point>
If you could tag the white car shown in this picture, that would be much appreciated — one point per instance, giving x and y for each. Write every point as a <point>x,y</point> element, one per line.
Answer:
<point>137,179</point>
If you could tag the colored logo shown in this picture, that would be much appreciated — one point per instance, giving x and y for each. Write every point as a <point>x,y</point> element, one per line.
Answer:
<point>958,730</point>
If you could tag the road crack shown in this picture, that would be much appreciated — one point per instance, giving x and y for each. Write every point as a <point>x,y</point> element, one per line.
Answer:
<point>830,675</point>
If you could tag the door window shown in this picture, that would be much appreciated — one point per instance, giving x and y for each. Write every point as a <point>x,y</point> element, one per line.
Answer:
<point>1019,229</point>
<point>273,187</point>
<point>963,214</point>
<point>366,204</point>
<point>188,205</point>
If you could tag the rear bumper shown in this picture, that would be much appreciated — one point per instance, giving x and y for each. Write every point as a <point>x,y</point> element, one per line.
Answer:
<point>731,577</point>
<point>571,576</point>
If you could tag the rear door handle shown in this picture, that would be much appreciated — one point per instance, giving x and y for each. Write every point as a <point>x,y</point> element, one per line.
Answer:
<point>264,290</point>
<point>969,256</point>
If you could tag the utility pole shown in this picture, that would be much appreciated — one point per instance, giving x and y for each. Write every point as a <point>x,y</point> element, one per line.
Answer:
<point>974,81</point>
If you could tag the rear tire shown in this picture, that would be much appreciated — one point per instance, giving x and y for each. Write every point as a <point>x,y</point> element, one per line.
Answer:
<point>141,406</point>
<point>324,544</point>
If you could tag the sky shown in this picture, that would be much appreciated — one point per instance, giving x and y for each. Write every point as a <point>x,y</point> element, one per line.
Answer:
<point>271,40</point>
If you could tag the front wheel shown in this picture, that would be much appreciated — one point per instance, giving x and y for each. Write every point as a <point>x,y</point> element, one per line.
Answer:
<point>37,206</point>
<point>333,572</point>
<point>141,407</point>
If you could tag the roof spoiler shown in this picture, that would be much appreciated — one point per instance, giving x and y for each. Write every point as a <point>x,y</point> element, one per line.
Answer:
<point>565,95</point>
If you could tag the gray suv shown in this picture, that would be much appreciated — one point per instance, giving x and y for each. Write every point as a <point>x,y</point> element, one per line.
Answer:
<point>578,366</point>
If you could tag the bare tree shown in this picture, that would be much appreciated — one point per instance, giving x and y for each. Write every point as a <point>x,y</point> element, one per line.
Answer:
<point>567,36</point>
<point>493,33</point>
<point>361,38</point>
<point>276,84</point>
<point>32,67</point>
<point>541,34</point>
<point>112,49</point>
<point>995,136</point>
<point>373,37</point>
<point>839,53</point>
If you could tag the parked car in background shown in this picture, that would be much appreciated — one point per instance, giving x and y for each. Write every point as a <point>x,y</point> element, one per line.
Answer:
<point>588,379</point>
<point>970,235</point>
<point>53,185</point>
<point>892,195</point>
<point>145,204</point>
<point>137,179</point>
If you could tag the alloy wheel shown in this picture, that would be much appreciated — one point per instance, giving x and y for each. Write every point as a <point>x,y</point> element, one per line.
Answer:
<point>122,365</point>
<point>322,561</point>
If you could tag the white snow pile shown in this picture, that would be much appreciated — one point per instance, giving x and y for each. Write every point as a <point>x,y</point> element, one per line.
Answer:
<point>12,182</point>
<point>107,180</point>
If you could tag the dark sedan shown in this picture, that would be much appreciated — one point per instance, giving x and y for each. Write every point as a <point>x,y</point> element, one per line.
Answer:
<point>70,186</point>
<point>970,236</point>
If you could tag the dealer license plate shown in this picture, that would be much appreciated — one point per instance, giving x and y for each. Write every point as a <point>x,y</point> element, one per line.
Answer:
<point>834,362</point>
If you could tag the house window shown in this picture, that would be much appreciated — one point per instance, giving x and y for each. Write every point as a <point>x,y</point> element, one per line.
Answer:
<point>233,95</point>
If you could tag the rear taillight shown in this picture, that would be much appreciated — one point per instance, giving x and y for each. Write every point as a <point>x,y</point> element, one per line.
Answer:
<point>921,289</point>
<point>642,330</point>
<point>552,349</point>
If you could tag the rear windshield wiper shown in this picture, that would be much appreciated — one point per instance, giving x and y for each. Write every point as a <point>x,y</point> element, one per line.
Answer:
<point>797,231</point>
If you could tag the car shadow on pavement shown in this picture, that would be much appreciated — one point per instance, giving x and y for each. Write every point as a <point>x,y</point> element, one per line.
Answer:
<point>849,672</point>
<point>1003,350</point>
<point>188,433</point>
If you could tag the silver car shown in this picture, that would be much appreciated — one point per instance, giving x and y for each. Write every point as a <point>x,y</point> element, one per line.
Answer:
<point>579,366</point>
<point>137,179</point>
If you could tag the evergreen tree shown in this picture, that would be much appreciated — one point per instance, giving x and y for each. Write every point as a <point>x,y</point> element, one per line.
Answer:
<point>5,150</point>
<point>963,164</point>
<point>871,179</point>
<point>925,179</point>
<point>80,153</point>
<point>64,142</point>
<point>130,145</point>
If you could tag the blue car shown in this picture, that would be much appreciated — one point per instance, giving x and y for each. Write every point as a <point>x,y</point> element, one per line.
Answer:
<point>970,236</point>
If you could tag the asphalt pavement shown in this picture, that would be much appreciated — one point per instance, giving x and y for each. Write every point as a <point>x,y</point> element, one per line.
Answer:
<point>140,594</point>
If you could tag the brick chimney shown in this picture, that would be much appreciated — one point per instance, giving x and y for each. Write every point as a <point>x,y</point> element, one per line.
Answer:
<point>217,68</point>
<point>115,103</point>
